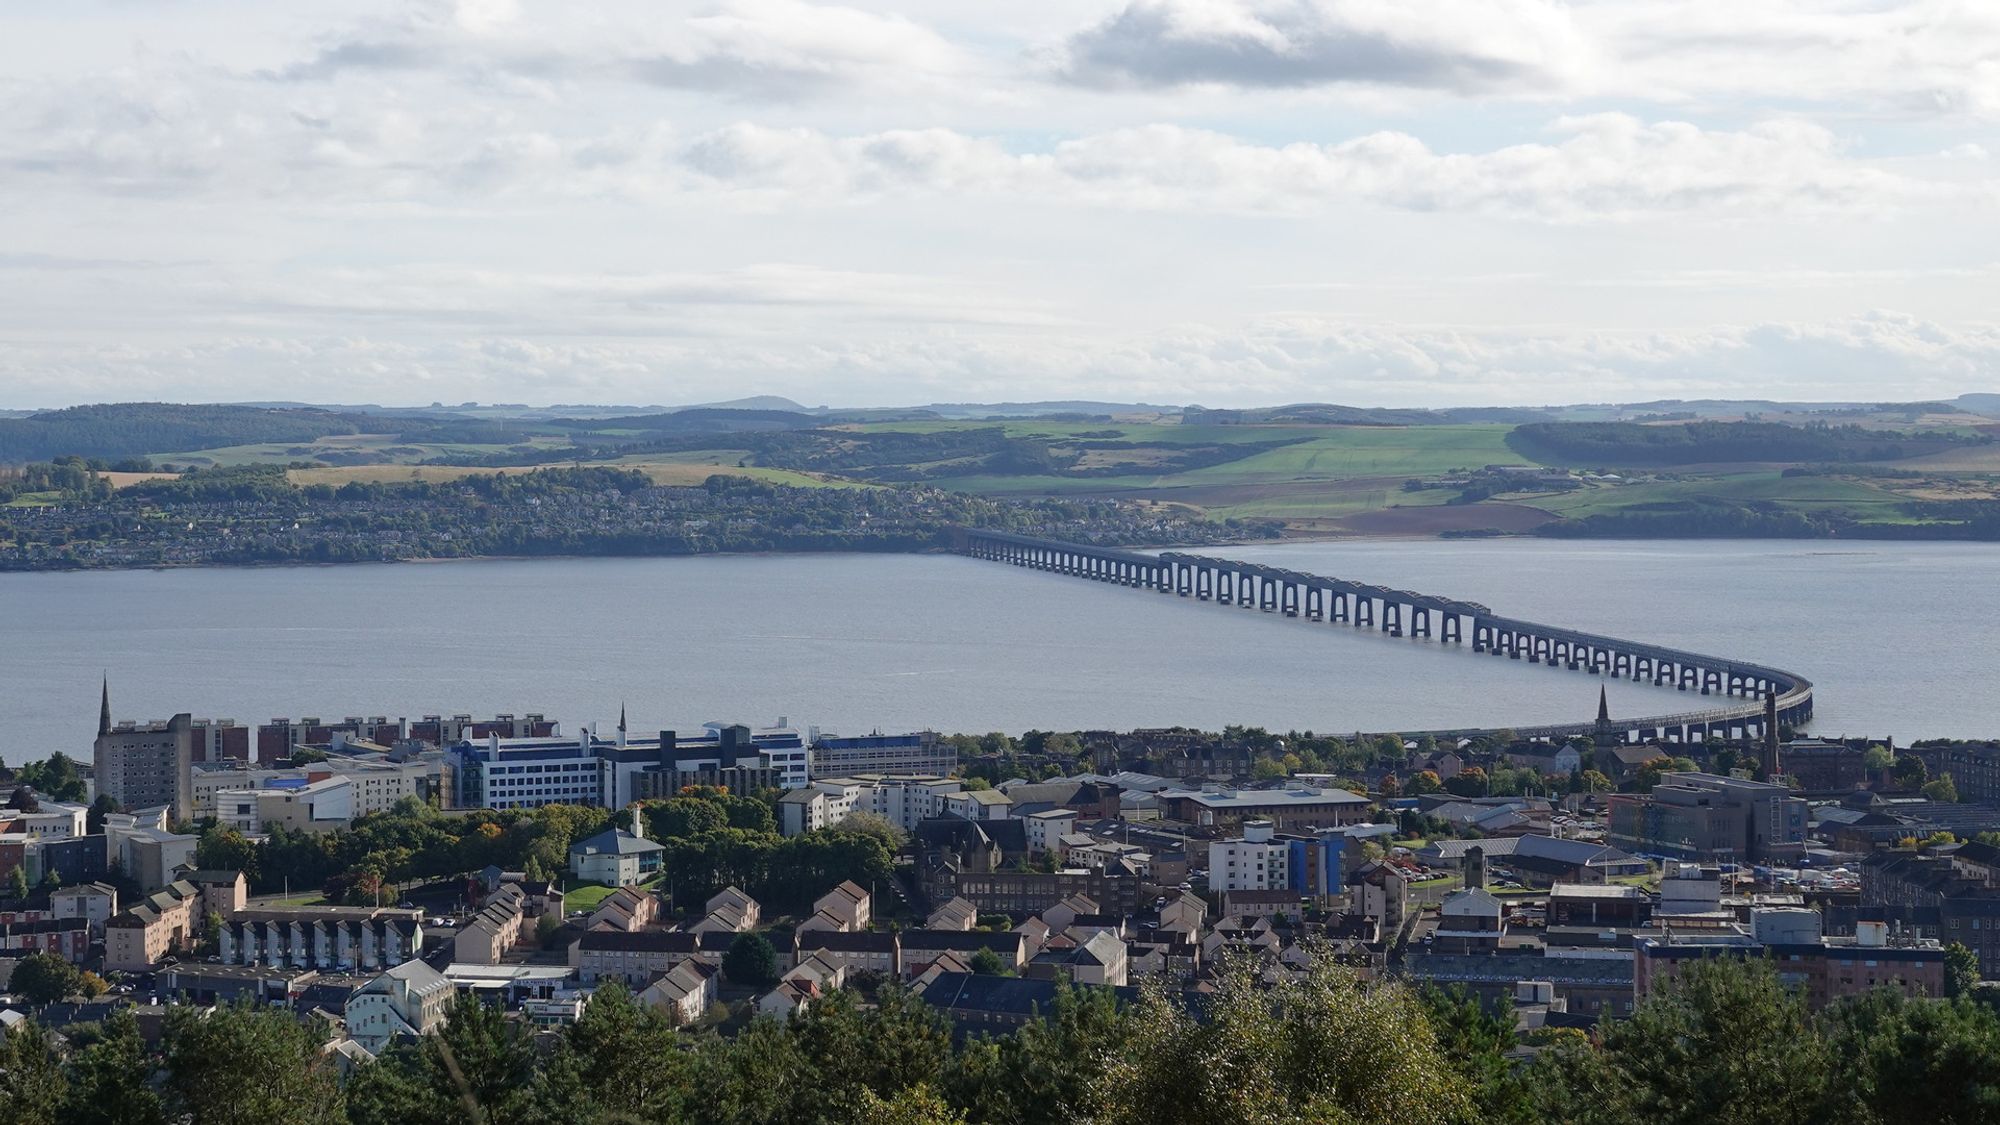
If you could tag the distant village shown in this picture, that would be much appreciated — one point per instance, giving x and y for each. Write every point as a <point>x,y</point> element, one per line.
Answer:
<point>1561,883</point>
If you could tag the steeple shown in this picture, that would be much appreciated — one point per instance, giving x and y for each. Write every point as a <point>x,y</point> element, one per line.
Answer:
<point>1605,736</point>
<point>104,709</point>
<point>621,724</point>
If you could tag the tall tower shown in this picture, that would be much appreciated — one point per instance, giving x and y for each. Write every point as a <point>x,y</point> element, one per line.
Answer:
<point>104,709</point>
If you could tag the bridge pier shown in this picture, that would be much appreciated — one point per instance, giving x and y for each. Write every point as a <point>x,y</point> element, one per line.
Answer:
<point>1276,589</point>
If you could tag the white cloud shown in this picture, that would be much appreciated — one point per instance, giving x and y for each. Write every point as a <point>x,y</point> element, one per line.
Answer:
<point>1604,166</point>
<point>1259,362</point>
<point>1913,57</point>
<point>1461,46</point>
<point>782,49</point>
<point>177,133</point>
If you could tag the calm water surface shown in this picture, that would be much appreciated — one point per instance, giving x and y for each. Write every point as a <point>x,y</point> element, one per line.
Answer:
<point>1899,637</point>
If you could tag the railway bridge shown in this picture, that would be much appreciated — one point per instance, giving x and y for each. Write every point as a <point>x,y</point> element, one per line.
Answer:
<point>1739,689</point>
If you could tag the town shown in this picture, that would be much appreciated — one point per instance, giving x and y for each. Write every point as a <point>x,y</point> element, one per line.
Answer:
<point>373,884</point>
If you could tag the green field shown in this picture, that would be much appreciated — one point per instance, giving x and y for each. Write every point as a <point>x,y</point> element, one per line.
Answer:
<point>1336,472</point>
<point>1854,498</point>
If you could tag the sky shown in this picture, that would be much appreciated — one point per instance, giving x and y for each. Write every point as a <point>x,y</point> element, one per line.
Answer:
<point>1215,202</point>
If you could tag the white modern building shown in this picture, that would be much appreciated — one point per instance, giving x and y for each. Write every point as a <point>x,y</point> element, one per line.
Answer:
<point>410,1000</point>
<point>1254,861</point>
<point>297,804</point>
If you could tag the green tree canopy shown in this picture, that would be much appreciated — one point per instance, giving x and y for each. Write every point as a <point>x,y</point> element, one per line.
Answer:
<point>750,960</point>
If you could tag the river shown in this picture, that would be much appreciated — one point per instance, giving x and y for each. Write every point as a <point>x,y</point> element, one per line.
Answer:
<point>1898,638</point>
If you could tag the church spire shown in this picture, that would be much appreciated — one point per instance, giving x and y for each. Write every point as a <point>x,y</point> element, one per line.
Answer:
<point>104,708</point>
<point>1603,707</point>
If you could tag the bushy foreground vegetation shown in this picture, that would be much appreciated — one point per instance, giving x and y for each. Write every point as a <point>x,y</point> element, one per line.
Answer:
<point>1724,1044</point>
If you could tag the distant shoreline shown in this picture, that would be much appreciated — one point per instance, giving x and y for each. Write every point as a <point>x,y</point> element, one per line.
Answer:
<point>1288,538</point>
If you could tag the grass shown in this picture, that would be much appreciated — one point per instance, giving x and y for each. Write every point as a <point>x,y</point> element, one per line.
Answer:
<point>578,895</point>
<point>584,896</point>
<point>1855,498</point>
<point>1337,471</point>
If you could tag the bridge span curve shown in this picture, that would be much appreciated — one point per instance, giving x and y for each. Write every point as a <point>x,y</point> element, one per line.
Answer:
<point>1745,688</point>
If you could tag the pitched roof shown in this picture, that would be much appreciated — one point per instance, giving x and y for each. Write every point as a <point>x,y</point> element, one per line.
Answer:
<point>866,941</point>
<point>615,841</point>
<point>642,941</point>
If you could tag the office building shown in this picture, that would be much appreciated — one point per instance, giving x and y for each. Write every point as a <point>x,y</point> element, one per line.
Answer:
<point>1262,859</point>
<point>144,765</point>
<point>922,752</point>
<point>1707,817</point>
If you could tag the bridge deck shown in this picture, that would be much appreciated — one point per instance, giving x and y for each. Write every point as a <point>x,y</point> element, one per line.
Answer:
<point>1794,695</point>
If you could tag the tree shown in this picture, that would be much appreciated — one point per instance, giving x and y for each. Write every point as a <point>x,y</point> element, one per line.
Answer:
<point>57,778</point>
<point>484,1062</point>
<point>751,961</point>
<point>1943,789</point>
<point>988,963</point>
<point>1914,1061</point>
<point>1722,1041</point>
<point>916,1105</point>
<point>111,1078</point>
<point>1910,772</point>
<point>1422,782</point>
<point>1469,782</point>
<point>32,1087</point>
<point>683,817</point>
<point>1876,759</point>
<point>94,819</point>
<point>44,978</point>
<point>17,883</point>
<point>618,1061</point>
<point>1961,970</point>
<point>1321,1048</point>
<point>1390,787</point>
<point>1047,1069</point>
<point>873,825</point>
<point>242,1065</point>
<point>1476,1039</point>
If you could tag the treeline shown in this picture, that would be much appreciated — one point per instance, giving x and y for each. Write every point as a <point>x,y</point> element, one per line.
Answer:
<point>133,428</point>
<point>713,840</point>
<point>411,841</point>
<point>240,516</point>
<point>1622,444</point>
<point>1945,520</point>
<point>1724,1042</point>
<point>68,476</point>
